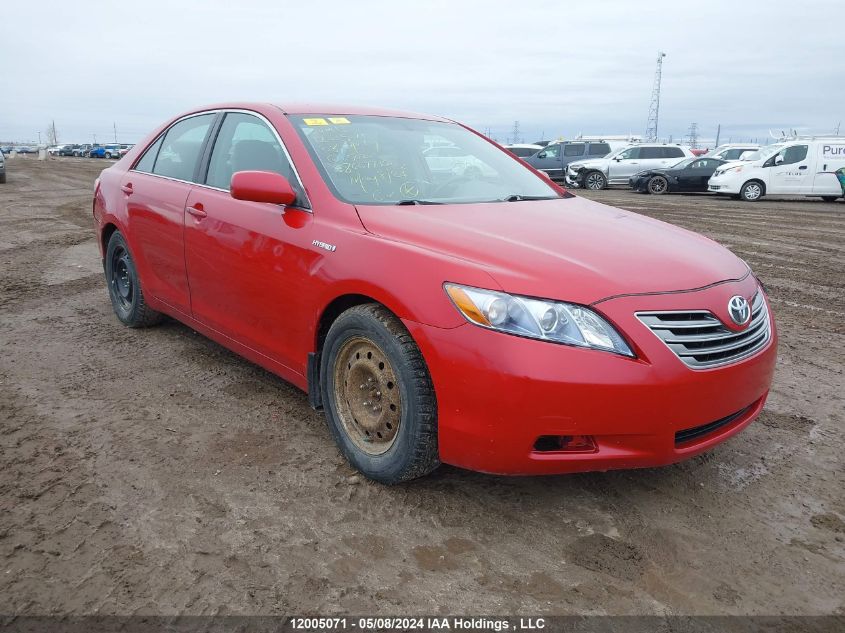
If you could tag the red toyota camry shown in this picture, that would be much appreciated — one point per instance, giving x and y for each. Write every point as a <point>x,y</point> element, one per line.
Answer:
<point>440,300</point>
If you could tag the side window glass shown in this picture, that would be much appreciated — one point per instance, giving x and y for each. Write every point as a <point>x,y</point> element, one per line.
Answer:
<point>246,143</point>
<point>599,149</point>
<point>180,149</point>
<point>552,151</point>
<point>149,158</point>
<point>633,152</point>
<point>673,152</point>
<point>651,152</point>
<point>794,154</point>
<point>573,149</point>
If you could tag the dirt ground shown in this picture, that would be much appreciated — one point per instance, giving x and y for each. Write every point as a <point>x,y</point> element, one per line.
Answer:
<point>153,471</point>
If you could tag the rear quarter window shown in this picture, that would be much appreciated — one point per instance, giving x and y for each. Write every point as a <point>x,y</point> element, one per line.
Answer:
<point>149,158</point>
<point>673,152</point>
<point>599,149</point>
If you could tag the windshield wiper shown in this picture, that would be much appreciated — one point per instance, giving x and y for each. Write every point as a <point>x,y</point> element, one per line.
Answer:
<point>519,198</point>
<point>416,201</point>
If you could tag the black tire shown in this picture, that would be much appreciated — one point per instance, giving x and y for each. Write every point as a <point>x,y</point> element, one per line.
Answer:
<point>830,198</point>
<point>412,451</point>
<point>2,179</point>
<point>594,180</point>
<point>657,185</point>
<point>752,191</point>
<point>127,297</point>
<point>108,154</point>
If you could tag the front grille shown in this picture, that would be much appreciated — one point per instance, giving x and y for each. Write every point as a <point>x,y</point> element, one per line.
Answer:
<point>702,341</point>
<point>687,435</point>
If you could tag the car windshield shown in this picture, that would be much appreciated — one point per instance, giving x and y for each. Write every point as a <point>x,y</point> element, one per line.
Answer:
<point>763,152</point>
<point>393,160</point>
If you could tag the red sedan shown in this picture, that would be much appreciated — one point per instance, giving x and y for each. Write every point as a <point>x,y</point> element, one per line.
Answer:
<point>449,306</point>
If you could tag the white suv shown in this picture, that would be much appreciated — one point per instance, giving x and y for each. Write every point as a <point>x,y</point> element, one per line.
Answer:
<point>617,167</point>
<point>733,151</point>
<point>802,167</point>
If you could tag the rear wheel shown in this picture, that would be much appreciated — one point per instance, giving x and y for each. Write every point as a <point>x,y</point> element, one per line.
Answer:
<point>658,185</point>
<point>378,396</point>
<point>127,297</point>
<point>595,180</point>
<point>751,191</point>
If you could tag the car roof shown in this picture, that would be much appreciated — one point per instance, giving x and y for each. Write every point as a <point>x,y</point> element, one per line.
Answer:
<point>316,108</point>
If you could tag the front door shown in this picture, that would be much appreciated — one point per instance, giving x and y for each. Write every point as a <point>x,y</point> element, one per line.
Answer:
<point>790,171</point>
<point>549,160</point>
<point>248,262</point>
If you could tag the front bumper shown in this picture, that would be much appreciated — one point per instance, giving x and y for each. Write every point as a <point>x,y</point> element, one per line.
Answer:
<point>497,394</point>
<point>724,185</point>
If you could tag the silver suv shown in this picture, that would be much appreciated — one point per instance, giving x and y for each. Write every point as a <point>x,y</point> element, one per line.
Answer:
<point>617,167</point>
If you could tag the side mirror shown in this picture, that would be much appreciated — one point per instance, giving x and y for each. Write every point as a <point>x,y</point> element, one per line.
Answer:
<point>618,158</point>
<point>542,155</point>
<point>778,159</point>
<point>261,186</point>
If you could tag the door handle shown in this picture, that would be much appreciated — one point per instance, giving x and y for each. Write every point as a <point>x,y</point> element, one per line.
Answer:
<point>127,188</point>
<point>197,211</point>
<point>803,167</point>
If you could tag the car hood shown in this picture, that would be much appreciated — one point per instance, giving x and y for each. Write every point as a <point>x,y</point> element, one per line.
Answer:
<point>570,249</point>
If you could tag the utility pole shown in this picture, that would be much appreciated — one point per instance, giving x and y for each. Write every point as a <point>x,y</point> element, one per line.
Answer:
<point>718,133</point>
<point>115,132</point>
<point>837,128</point>
<point>654,107</point>
<point>693,135</point>
<point>515,132</point>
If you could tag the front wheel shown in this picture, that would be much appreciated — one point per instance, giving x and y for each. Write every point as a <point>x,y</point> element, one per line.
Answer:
<point>829,198</point>
<point>378,396</point>
<point>595,180</point>
<point>127,297</point>
<point>658,185</point>
<point>751,191</point>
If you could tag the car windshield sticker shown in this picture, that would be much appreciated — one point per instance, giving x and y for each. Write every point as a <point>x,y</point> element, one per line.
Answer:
<point>315,121</point>
<point>338,120</point>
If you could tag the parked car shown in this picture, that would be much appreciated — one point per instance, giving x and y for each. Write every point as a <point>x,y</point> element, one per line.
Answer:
<point>733,151</point>
<point>799,167</point>
<point>498,324</point>
<point>7,149</point>
<point>95,151</point>
<point>617,167</point>
<point>111,151</point>
<point>556,157</point>
<point>691,174</point>
<point>124,149</point>
<point>53,150</point>
<point>23,149</point>
<point>523,150</point>
<point>2,168</point>
<point>67,150</point>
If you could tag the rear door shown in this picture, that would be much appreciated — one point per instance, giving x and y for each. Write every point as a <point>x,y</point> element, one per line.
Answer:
<point>697,175</point>
<point>155,190</point>
<point>790,171</point>
<point>248,263</point>
<point>829,177</point>
<point>571,153</point>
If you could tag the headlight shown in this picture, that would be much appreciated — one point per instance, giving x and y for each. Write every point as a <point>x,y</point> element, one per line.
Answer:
<point>554,321</point>
<point>736,169</point>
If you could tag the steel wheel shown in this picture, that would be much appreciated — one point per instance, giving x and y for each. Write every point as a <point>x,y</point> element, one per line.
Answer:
<point>658,185</point>
<point>121,281</point>
<point>595,181</point>
<point>366,396</point>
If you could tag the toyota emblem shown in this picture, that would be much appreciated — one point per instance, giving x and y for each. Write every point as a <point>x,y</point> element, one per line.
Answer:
<point>739,310</point>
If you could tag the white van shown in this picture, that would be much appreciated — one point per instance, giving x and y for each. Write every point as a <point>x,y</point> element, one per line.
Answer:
<point>798,167</point>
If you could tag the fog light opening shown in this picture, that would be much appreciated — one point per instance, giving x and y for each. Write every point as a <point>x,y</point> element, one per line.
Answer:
<point>565,444</point>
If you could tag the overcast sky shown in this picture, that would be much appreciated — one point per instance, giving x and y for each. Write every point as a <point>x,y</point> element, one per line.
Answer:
<point>559,67</point>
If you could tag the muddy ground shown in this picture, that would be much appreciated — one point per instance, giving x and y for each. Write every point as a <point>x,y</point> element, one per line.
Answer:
<point>153,471</point>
